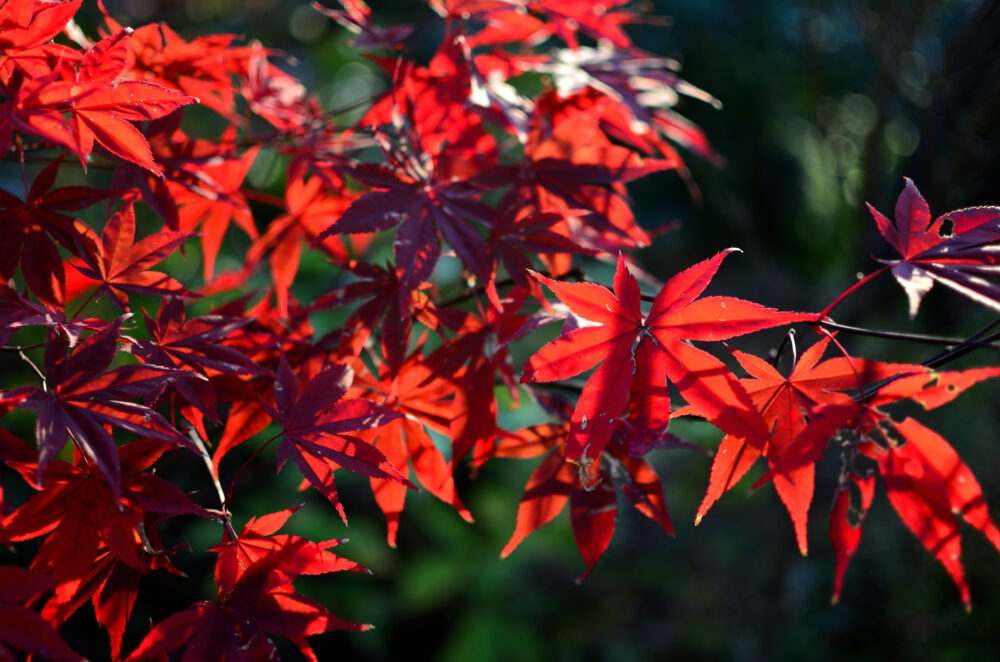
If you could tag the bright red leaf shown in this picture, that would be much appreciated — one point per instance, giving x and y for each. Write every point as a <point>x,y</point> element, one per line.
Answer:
<point>785,404</point>
<point>120,265</point>
<point>260,602</point>
<point>677,314</point>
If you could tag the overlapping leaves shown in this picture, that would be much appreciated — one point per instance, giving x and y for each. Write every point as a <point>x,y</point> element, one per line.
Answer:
<point>638,355</point>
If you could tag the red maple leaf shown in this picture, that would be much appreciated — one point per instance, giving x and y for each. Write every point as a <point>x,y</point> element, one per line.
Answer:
<point>785,404</point>
<point>119,265</point>
<point>425,402</point>
<point>100,101</point>
<point>22,628</point>
<point>638,354</point>
<point>576,167</point>
<point>40,223</point>
<point>590,492</point>
<point>102,106</point>
<point>203,67</point>
<point>31,110</point>
<point>97,548</point>
<point>476,359</point>
<point>83,397</point>
<point>314,422</point>
<point>357,17</point>
<point>928,484</point>
<point>260,601</point>
<point>27,24</point>
<point>200,186</point>
<point>257,540</point>
<point>509,21</point>
<point>600,21</point>
<point>310,206</point>
<point>850,505</point>
<point>957,249</point>
<point>216,200</point>
<point>77,510</point>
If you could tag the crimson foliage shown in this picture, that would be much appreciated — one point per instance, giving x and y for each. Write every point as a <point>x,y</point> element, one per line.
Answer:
<point>453,159</point>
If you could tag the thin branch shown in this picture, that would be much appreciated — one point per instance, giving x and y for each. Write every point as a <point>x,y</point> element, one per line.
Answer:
<point>852,288</point>
<point>227,519</point>
<point>910,337</point>
<point>41,375</point>
<point>481,289</point>
<point>850,360</point>
<point>789,338</point>
<point>953,353</point>
<point>21,348</point>
<point>232,485</point>
<point>961,349</point>
<point>86,303</point>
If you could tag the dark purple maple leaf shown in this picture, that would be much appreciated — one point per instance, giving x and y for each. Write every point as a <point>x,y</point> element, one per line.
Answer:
<point>957,249</point>
<point>314,424</point>
<point>20,627</point>
<point>38,224</point>
<point>380,286</point>
<point>83,397</point>
<point>419,194</point>
<point>194,345</point>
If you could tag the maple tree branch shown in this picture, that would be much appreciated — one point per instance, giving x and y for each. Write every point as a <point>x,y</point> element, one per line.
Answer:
<point>902,335</point>
<point>24,357</point>
<point>788,339</point>
<point>224,509</point>
<point>316,125</point>
<point>575,272</point>
<point>843,295</point>
<point>953,353</point>
<point>86,302</point>
<point>21,348</point>
<point>24,172</point>
<point>263,197</point>
<point>950,354</point>
<point>232,484</point>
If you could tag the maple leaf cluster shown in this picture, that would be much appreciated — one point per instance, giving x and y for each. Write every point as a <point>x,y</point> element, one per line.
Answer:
<point>455,160</point>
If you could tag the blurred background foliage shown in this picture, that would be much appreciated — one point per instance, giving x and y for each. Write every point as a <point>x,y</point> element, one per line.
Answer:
<point>827,105</point>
